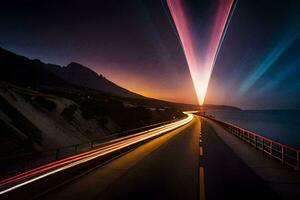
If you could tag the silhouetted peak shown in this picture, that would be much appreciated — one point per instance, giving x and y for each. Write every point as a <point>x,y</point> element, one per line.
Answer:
<point>80,69</point>
<point>37,61</point>
<point>75,65</point>
<point>26,72</point>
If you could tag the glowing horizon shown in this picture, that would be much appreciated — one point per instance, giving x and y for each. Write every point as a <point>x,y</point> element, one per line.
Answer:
<point>200,69</point>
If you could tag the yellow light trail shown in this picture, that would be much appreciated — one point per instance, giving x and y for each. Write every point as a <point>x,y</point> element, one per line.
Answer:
<point>41,172</point>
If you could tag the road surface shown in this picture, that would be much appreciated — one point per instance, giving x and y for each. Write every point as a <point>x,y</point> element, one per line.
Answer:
<point>226,175</point>
<point>188,163</point>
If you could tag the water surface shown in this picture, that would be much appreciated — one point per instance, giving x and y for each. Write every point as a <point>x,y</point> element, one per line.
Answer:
<point>280,125</point>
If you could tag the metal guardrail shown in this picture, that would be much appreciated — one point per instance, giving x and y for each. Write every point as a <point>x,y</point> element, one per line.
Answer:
<point>78,148</point>
<point>34,159</point>
<point>285,154</point>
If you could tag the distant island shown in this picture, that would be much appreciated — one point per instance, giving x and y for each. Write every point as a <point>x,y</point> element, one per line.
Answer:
<point>211,107</point>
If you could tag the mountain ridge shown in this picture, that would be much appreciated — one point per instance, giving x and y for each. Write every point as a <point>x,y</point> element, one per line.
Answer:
<point>81,75</point>
<point>23,71</point>
<point>20,70</point>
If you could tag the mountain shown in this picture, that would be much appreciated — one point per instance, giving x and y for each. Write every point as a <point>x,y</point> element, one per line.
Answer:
<point>22,71</point>
<point>80,75</point>
<point>25,72</point>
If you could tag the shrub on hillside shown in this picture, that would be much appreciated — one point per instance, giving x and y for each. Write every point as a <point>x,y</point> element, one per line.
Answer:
<point>69,112</point>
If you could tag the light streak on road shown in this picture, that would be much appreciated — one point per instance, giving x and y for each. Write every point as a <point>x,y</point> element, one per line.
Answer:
<point>38,173</point>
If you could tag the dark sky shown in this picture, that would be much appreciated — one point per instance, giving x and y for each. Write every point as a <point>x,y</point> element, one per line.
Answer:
<point>259,62</point>
<point>130,42</point>
<point>133,43</point>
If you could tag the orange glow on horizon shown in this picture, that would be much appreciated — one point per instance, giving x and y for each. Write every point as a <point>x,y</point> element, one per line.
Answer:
<point>145,86</point>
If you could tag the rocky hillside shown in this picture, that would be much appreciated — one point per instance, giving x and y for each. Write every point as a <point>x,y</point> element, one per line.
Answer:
<point>33,120</point>
<point>45,106</point>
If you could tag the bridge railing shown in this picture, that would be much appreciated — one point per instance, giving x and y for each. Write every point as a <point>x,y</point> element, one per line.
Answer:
<point>285,154</point>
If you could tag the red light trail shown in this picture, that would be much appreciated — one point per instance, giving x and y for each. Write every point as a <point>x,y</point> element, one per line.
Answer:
<point>43,171</point>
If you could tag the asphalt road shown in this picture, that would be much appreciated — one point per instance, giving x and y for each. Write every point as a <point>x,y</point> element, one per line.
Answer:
<point>191,162</point>
<point>226,175</point>
<point>164,168</point>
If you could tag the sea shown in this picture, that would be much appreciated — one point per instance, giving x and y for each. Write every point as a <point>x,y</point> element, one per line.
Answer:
<point>280,125</point>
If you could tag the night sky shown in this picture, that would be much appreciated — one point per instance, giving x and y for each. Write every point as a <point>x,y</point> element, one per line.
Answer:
<point>135,44</point>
